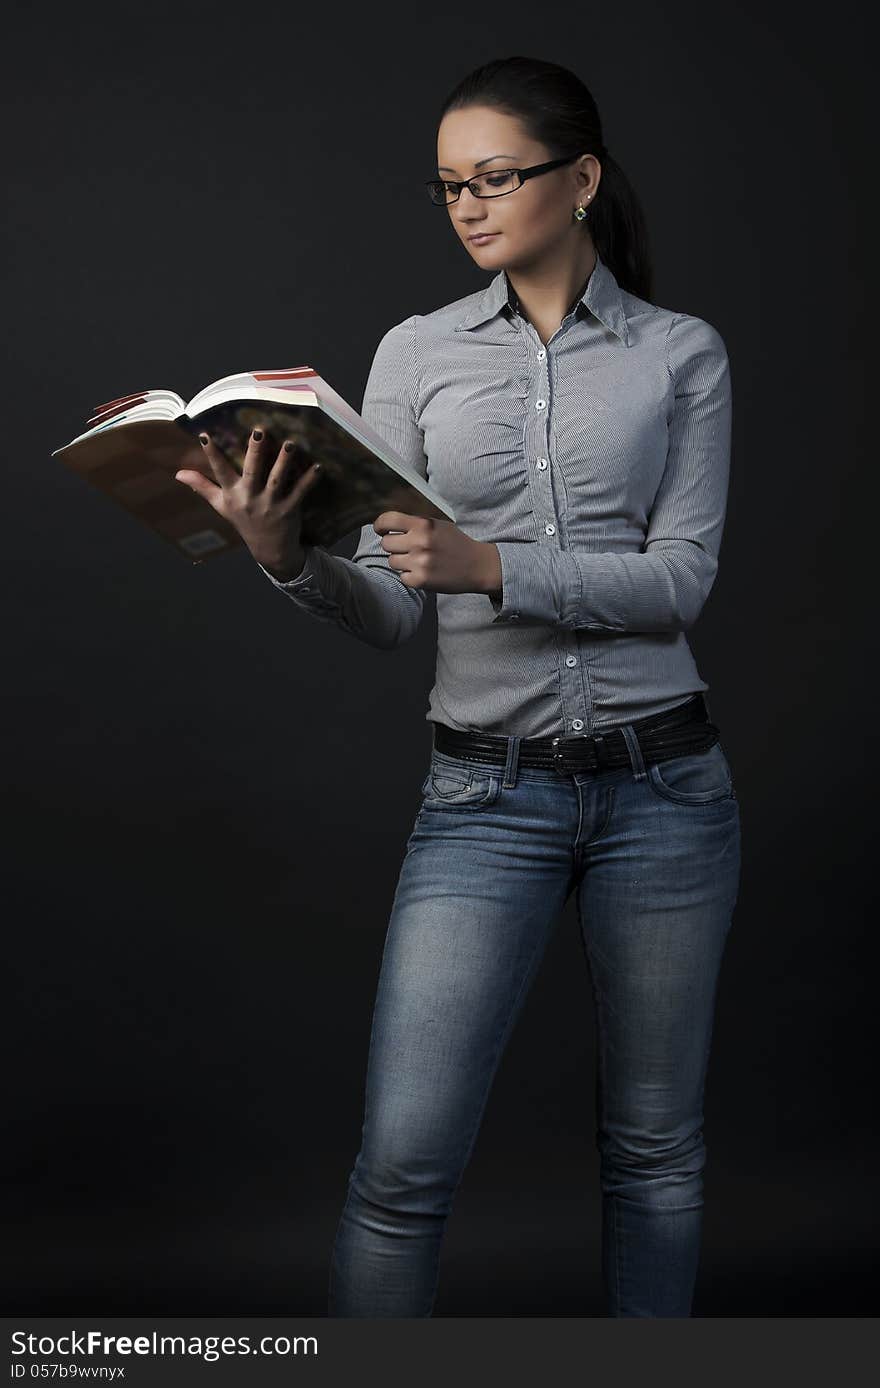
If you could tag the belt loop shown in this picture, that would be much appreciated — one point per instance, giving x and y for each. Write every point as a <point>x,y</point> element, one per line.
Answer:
<point>637,761</point>
<point>512,763</point>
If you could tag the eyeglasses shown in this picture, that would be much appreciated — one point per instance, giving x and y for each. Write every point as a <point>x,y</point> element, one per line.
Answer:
<point>493,184</point>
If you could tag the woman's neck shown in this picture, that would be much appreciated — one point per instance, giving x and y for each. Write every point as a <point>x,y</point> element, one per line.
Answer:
<point>539,299</point>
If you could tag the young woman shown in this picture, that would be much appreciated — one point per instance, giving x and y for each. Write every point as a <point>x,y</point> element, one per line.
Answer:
<point>582,435</point>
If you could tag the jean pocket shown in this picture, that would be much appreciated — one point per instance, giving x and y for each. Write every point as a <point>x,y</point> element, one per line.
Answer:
<point>453,784</point>
<point>694,778</point>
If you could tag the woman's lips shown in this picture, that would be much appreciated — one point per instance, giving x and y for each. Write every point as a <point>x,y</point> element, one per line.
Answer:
<point>483,236</point>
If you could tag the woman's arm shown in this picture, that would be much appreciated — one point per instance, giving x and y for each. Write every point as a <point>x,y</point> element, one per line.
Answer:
<point>664,586</point>
<point>364,596</point>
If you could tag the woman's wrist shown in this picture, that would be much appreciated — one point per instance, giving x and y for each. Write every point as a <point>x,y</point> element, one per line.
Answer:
<point>290,569</point>
<point>490,576</point>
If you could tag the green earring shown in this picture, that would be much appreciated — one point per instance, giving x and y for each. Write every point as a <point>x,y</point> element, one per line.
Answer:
<point>580,214</point>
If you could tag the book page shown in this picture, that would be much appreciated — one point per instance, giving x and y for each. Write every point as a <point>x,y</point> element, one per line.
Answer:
<point>149,404</point>
<point>246,381</point>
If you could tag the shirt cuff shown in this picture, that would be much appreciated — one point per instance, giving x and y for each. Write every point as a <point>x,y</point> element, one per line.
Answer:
<point>560,587</point>
<point>537,584</point>
<point>308,580</point>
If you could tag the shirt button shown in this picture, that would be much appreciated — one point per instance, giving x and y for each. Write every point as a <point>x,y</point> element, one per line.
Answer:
<point>550,528</point>
<point>571,660</point>
<point>540,404</point>
<point>542,354</point>
<point>577,724</point>
<point>542,464</point>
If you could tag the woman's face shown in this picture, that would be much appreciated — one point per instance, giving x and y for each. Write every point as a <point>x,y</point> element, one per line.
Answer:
<point>530,223</point>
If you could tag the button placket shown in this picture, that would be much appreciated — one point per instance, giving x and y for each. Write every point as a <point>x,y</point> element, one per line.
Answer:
<point>540,487</point>
<point>530,383</point>
<point>540,480</point>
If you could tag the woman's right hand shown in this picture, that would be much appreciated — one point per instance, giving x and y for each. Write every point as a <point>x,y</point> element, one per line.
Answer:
<point>262,501</point>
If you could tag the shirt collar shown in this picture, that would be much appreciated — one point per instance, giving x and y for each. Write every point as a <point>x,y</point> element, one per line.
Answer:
<point>601,296</point>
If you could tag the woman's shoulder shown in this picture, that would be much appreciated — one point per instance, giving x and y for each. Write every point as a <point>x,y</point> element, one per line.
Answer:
<point>671,322</point>
<point>444,316</point>
<point>406,342</point>
<point>690,338</point>
<point>458,313</point>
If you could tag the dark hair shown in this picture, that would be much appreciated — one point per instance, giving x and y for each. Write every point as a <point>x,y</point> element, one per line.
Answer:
<point>557,110</point>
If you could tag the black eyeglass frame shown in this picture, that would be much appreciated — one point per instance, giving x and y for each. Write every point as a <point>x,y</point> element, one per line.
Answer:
<point>523,175</point>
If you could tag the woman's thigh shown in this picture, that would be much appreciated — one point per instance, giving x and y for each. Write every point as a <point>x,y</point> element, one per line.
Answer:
<point>483,883</point>
<point>655,900</point>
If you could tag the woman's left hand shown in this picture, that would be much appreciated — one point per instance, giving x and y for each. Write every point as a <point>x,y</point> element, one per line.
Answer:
<point>436,555</point>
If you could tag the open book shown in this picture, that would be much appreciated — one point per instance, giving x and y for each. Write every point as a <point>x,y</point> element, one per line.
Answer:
<point>137,442</point>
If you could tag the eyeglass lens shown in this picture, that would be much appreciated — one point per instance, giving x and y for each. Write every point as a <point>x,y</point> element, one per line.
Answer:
<point>487,185</point>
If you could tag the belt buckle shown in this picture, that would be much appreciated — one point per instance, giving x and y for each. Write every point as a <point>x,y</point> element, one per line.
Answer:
<point>557,756</point>
<point>559,759</point>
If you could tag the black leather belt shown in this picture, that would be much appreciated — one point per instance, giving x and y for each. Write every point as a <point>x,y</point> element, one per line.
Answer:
<point>672,733</point>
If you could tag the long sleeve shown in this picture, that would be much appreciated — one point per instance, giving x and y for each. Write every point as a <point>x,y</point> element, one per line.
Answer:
<point>664,586</point>
<point>364,596</point>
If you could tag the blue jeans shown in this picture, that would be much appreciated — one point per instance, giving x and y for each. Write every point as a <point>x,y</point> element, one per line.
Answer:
<point>653,856</point>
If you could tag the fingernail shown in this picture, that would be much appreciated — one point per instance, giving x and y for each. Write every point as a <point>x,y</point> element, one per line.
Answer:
<point>258,433</point>
<point>289,446</point>
<point>203,438</point>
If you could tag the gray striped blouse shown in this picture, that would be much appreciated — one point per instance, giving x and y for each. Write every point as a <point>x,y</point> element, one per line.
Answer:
<point>598,465</point>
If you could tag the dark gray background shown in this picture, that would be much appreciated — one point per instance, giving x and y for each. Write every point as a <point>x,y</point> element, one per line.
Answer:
<point>209,793</point>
